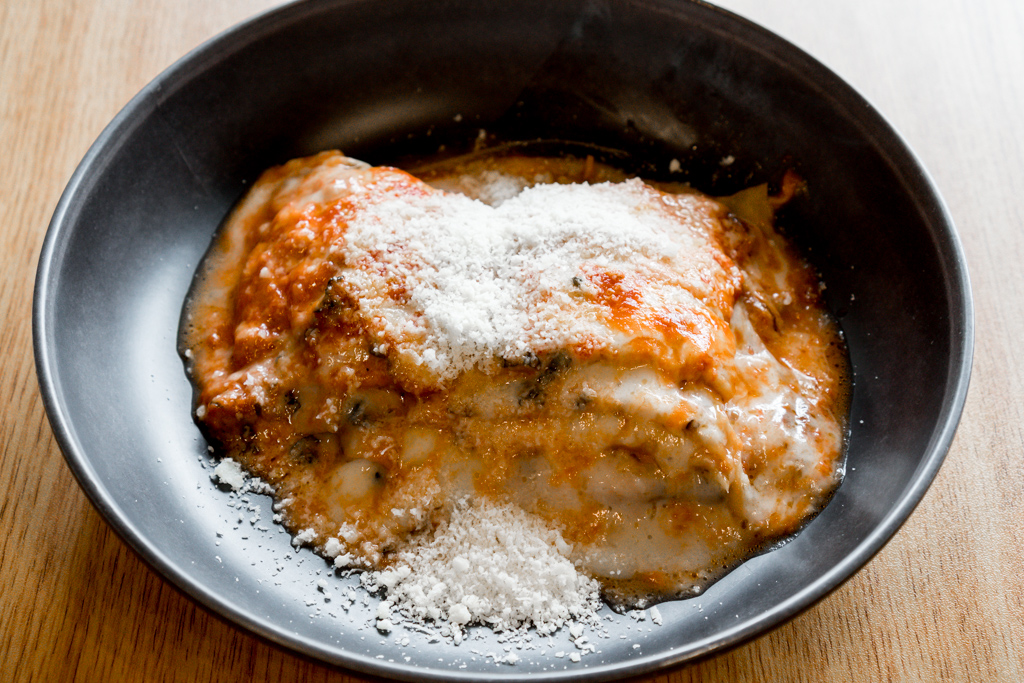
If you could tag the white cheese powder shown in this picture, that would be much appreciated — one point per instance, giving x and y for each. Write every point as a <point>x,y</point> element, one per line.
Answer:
<point>229,473</point>
<point>490,564</point>
<point>482,282</point>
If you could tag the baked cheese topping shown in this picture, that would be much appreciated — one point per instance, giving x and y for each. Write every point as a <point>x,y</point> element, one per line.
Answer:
<point>637,367</point>
<point>453,284</point>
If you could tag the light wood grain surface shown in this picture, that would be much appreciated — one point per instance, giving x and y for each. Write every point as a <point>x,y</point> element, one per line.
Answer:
<point>943,601</point>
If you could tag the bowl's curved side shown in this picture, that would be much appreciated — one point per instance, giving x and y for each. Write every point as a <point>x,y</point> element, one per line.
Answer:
<point>660,79</point>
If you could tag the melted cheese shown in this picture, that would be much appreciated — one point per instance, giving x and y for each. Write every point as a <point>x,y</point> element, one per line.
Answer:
<point>634,365</point>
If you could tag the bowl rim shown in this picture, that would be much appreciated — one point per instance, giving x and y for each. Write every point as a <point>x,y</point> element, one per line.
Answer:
<point>202,57</point>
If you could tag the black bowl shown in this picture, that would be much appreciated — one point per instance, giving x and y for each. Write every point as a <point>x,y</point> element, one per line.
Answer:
<point>658,79</point>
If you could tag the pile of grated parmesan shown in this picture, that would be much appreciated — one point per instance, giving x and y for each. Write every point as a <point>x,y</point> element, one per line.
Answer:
<point>491,564</point>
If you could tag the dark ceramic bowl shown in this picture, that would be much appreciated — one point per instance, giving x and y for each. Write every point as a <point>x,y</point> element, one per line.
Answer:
<point>658,79</point>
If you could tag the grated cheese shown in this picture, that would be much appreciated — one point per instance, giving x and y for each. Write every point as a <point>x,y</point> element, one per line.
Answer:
<point>491,564</point>
<point>229,473</point>
<point>485,282</point>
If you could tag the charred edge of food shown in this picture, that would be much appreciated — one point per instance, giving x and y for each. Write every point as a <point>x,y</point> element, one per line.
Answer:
<point>305,451</point>
<point>533,391</point>
<point>291,402</point>
<point>332,297</point>
<point>356,414</point>
<point>370,406</point>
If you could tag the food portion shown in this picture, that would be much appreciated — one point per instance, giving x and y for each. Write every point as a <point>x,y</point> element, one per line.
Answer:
<point>646,371</point>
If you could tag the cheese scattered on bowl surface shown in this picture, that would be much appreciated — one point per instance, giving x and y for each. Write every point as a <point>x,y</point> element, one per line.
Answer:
<point>229,473</point>
<point>489,564</point>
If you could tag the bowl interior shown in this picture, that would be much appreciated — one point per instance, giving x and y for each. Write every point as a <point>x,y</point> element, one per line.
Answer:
<point>659,80</point>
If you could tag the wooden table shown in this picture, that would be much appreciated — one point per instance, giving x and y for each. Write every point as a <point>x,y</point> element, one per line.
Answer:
<point>943,601</point>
